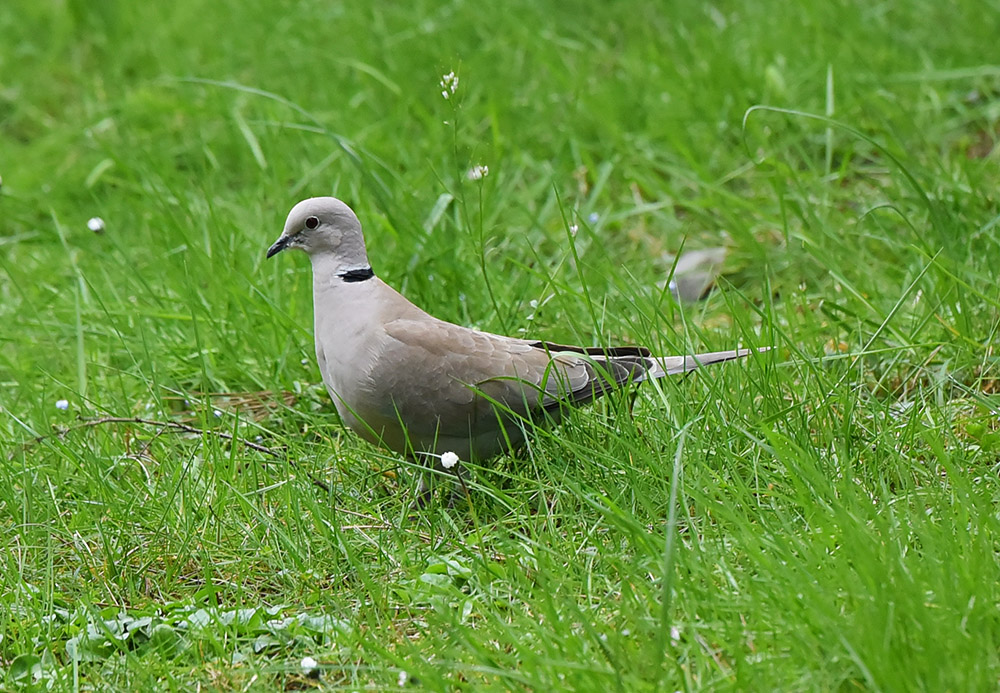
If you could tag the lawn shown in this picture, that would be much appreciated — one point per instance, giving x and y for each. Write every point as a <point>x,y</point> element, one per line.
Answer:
<point>180,507</point>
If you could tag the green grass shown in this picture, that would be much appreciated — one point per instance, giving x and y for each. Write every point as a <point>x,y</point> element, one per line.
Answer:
<point>823,517</point>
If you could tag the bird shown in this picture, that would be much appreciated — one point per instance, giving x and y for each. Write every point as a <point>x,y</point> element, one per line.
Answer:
<point>405,380</point>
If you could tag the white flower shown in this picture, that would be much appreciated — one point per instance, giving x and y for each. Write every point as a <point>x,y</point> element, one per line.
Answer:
<point>62,404</point>
<point>449,84</point>
<point>310,667</point>
<point>675,635</point>
<point>96,224</point>
<point>449,460</point>
<point>478,172</point>
<point>403,676</point>
<point>573,229</point>
<point>593,218</point>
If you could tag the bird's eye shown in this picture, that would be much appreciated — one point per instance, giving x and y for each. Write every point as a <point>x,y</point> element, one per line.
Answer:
<point>312,222</point>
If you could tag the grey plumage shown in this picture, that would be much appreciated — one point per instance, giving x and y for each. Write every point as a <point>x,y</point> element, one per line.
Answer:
<point>401,378</point>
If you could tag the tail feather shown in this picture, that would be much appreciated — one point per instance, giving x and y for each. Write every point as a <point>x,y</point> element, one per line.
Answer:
<point>661,366</point>
<point>621,365</point>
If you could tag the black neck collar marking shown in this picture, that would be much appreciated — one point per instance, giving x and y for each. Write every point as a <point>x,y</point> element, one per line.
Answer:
<point>357,275</point>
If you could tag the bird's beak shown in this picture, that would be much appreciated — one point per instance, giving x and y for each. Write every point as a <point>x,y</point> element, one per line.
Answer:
<point>278,246</point>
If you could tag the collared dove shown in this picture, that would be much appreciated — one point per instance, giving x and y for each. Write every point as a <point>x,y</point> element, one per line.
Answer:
<point>401,378</point>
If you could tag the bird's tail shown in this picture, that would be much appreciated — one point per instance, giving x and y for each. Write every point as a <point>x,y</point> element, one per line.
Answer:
<point>633,364</point>
<point>661,366</point>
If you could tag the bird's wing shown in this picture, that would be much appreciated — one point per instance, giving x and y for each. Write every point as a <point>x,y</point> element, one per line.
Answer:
<point>433,374</point>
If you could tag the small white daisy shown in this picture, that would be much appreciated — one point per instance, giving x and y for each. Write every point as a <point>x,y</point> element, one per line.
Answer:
<point>403,676</point>
<point>449,460</point>
<point>448,84</point>
<point>478,172</point>
<point>96,224</point>
<point>310,667</point>
<point>62,404</point>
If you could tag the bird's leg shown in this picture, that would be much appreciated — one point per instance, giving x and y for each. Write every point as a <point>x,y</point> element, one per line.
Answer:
<point>424,491</point>
<point>459,488</point>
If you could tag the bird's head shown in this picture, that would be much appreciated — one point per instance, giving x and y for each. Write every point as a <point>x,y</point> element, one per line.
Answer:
<point>324,227</point>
